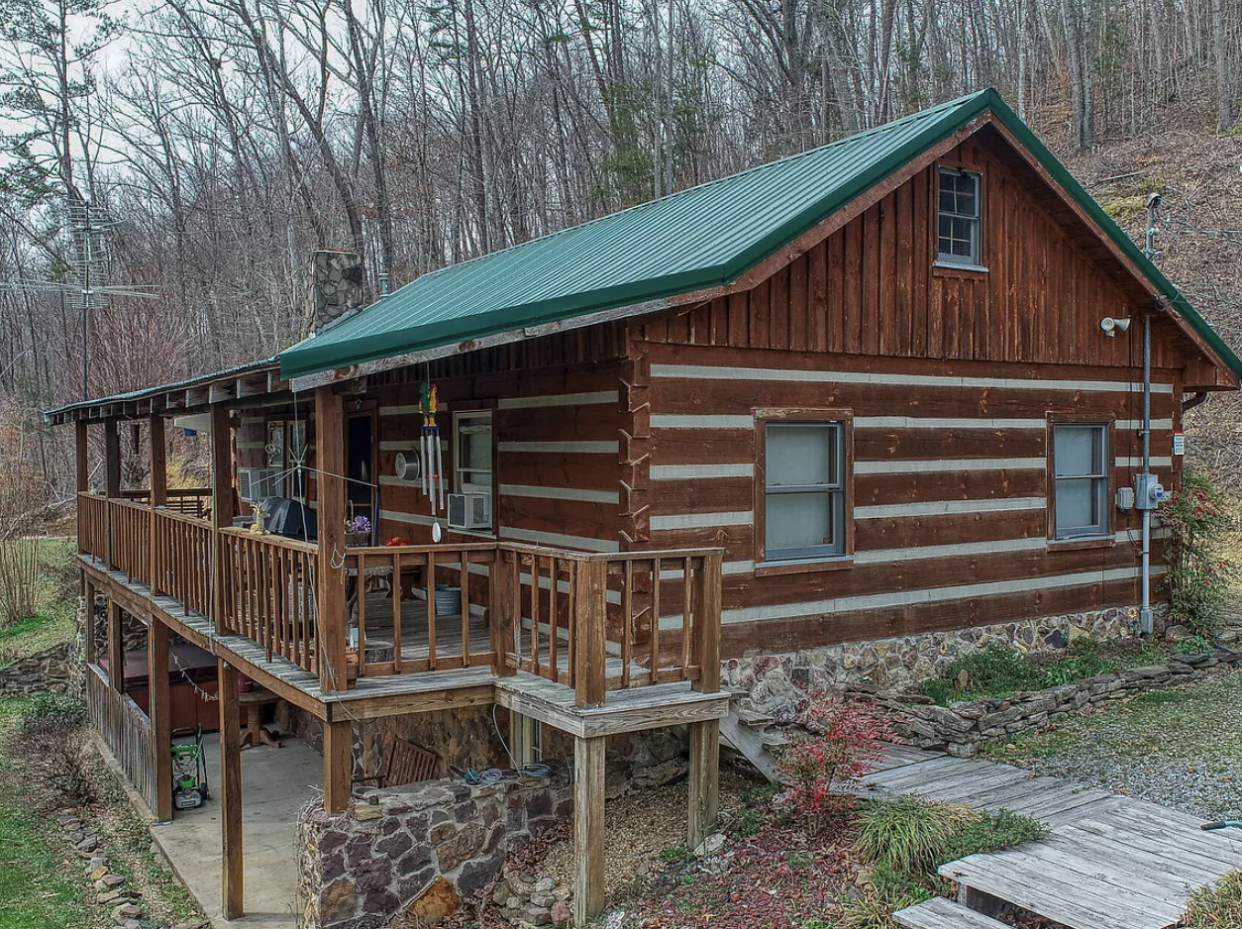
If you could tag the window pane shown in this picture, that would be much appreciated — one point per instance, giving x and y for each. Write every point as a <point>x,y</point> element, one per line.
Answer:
<point>1079,450</point>
<point>800,454</point>
<point>966,196</point>
<point>476,450</point>
<point>796,522</point>
<point>1075,505</point>
<point>946,194</point>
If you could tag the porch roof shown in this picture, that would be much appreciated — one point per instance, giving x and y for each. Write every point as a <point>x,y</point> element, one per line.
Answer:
<point>184,396</point>
<point>693,240</point>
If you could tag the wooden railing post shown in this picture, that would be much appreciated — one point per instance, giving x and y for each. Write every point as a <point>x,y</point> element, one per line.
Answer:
<point>502,611</point>
<point>589,632</point>
<point>330,468</point>
<point>157,497</point>
<point>159,709</point>
<point>83,477</point>
<point>222,509</point>
<point>707,620</point>
<point>232,871</point>
<point>112,483</point>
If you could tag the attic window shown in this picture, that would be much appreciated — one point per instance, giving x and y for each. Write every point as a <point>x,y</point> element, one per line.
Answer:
<point>959,217</point>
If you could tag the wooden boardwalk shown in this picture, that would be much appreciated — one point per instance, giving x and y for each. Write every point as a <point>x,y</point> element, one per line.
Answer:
<point>1108,862</point>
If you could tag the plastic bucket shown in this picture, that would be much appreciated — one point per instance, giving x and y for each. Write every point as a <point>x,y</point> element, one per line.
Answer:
<point>448,600</point>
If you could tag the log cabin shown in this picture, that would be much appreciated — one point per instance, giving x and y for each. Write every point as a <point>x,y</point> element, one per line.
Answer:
<point>865,392</point>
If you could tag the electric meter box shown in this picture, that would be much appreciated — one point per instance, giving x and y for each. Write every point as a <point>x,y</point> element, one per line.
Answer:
<point>1148,492</point>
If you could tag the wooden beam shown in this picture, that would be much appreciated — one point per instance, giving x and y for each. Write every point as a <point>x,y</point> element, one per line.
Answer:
<point>160,711</point>
<point>588,829</point>
<point>222,505</point>
<point>116,647</point>
<point>232,871</point>
<point>159,462</point>
<point>82,469</point>
<point>704,781</point>
<point>590,633</point>
<point>89,646</point>
<point>330,465</point>
<point>502,613</point>
<point>707,623</point>
<point>338,765</point>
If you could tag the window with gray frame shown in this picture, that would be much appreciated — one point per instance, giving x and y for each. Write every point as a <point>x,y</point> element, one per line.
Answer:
<point>1080,466</point>
<point>959,217</point>
<point>804,495</point>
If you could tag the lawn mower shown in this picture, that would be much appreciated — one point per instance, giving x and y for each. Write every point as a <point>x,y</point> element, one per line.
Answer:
<point>189,771</point>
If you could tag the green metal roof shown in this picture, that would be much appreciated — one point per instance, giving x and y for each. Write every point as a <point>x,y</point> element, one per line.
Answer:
<point>701,237</point>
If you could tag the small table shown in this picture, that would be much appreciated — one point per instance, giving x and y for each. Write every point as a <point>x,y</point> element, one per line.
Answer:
<point>256,733</point>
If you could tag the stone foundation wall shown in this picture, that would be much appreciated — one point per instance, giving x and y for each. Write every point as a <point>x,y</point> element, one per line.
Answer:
<point>53,669</point>
<point>959,728</point>
<point>416,853</point>
<point>776,682</point>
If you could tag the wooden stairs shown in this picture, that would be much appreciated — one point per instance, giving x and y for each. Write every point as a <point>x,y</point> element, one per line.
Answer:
<point>939,913</point>
<point>750,734</point>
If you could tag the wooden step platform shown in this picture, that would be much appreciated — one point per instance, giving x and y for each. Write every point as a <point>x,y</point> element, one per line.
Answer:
<point>1129,866</point>
<point>939,913</point>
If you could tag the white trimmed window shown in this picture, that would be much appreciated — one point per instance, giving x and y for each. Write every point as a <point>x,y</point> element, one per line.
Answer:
<point>959,218</point>
<point>804,494</point>
<point>472,452</point>
<point>1080,469</point>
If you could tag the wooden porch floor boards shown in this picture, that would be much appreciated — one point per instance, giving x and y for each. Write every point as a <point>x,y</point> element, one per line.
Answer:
<point>1108,862</point>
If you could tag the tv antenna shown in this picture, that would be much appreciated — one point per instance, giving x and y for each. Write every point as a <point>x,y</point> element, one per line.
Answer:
<point>85,283</point>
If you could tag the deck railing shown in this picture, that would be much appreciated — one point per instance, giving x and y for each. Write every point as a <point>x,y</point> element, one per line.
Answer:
<point>182,560</point>
<point>129,539</point>
<point>126,731</point>
<point>268,594</point>
<point>593,622</point>
<point>189,501</point>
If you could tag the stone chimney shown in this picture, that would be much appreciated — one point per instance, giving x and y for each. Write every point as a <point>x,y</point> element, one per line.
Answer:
<point>335,287</point>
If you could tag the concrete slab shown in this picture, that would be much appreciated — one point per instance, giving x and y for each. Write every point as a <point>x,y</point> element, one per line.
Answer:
<point>276,782</point>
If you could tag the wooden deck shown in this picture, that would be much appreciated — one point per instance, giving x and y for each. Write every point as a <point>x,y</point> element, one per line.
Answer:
<point>1108,862</point>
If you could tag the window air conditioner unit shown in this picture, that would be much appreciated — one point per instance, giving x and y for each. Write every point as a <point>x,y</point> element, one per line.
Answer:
<point>256,484</point>
<point>470,511</point>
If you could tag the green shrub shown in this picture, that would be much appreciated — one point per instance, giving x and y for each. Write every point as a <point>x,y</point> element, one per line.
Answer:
<point>1198,581</point>
<point>1195,645</point>
<point>997,669</point>
<point>1084,658</point>
<point>939,689</point>
<point>50,710</point>
<point>1005,829</point>
<point>888,892</point>
<point>1217,906</point>
<point>910,834</point>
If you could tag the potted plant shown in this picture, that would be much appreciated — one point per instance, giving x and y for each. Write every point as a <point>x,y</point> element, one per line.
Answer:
<point>358,531</point>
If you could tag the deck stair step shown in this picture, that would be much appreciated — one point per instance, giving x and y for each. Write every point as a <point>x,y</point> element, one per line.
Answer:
<point>940,913</point>
<point>753,719</point>
<point>747,734</point>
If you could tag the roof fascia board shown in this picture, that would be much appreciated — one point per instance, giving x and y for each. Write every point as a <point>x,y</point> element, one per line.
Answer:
<point>747,280</point>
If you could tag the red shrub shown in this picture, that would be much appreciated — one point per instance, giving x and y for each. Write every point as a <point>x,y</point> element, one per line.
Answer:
<point>843,739</point>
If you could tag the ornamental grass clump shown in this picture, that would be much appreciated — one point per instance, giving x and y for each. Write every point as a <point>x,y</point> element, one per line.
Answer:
<point>1217,906</point>
<point>843,739</point>
<point>1199,580</point>
<point>910,834</point>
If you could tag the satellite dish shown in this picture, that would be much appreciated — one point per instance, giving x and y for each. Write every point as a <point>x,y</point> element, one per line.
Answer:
<point>407,466</point>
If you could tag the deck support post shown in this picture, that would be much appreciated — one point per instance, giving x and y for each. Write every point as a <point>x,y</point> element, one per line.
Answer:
<point>502,612</point>
<point>222,507</point>
<point>704,781</point>
<point>159,708</point>
<point>338,765</point>
<point>116,647</point>
<point>90,648</point>
<point>704,803</point>
<point>330,468</point>
<point>82,469</point>
<point>158,495</point>
<point>232,870</point>
<point>112,482</point>
<point>590,632</point>
<point>588,828</point>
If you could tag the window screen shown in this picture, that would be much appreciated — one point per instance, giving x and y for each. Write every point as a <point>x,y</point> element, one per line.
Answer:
<point>804,497</point>
<point>473,460</point>
<point>959,217</point>
<point>1080,464</point>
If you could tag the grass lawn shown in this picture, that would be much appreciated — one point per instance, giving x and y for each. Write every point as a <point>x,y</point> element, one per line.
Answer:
<point>54,621</point>
<point>38,875</point>
<point>1179,747</point>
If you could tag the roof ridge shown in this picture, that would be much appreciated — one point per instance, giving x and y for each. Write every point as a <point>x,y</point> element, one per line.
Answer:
<point>929,113</point>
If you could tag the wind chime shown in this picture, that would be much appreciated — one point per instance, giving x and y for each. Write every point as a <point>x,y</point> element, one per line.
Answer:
<point>430,449</point>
